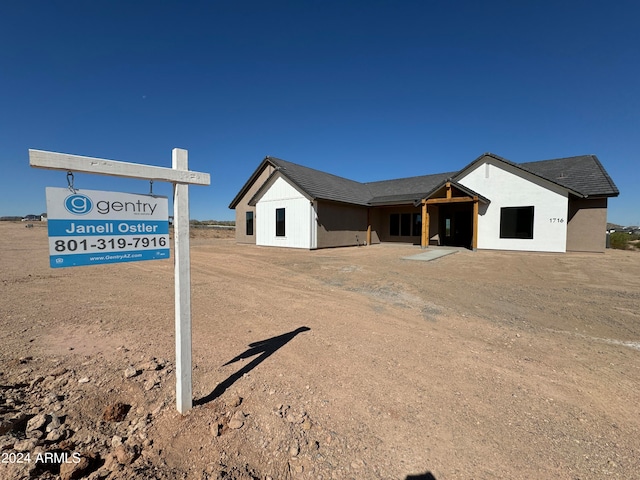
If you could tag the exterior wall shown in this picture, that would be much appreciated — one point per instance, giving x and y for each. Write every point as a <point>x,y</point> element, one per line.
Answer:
<point>376,224</point>
<point>506,186</point>
<point>587,224</point>
<point>300,217</point>
<point>434,225</point>
<point>341,225</point>
<point>243,207</point>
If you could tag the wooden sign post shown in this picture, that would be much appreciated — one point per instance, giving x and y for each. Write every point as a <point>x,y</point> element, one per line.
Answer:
<point>180,177</point>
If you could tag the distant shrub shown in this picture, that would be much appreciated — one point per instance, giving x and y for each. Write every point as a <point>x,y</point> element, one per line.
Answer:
<point>621,240</point>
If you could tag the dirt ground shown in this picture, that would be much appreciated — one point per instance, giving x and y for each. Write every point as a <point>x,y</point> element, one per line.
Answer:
<point>347,363</point>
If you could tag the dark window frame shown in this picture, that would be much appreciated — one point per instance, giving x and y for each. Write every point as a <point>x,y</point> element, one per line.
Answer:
<point>517,222</point>
<point>249,223</point>
<point>281,217</point>
<point>416,224</point>
<point>394,224</point>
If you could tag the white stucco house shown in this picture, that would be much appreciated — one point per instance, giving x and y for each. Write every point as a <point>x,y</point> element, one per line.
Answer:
<point>553,205</point>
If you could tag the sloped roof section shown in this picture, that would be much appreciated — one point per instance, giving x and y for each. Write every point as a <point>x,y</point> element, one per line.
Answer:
<point>322,185</point>
<point>584,174</point>
<point>405,189</point>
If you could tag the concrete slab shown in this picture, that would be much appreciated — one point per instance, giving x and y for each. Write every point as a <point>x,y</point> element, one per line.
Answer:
<point>431,254</point>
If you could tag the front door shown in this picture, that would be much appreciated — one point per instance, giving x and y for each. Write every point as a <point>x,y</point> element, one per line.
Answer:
<point>456,226</point>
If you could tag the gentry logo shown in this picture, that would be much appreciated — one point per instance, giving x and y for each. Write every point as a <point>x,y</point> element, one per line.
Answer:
<point>78,204</point>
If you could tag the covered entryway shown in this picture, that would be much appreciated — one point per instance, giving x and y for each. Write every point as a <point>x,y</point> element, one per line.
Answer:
<point>455,209</point>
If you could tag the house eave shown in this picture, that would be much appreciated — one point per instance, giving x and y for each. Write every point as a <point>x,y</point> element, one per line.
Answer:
<point>245,188</point>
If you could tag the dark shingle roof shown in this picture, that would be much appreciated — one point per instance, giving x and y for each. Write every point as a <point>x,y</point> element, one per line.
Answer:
<point>323,185</point>
<point>405,189</point>
<point>582,175</point>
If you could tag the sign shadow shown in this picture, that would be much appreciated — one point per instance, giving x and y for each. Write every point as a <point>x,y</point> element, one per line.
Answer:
<point>264,349</point>
<point>421,476</point>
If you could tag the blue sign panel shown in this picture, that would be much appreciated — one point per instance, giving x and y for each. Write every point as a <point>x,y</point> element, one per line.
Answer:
<point>92,227</point>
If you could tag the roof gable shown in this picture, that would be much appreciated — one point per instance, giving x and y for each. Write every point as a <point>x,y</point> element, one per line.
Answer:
<point>462,188</point>
<point>247,186</point>
<point>269,183</point>
<point>583,176</point>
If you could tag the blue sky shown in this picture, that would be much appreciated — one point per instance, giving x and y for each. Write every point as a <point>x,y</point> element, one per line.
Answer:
<point>368,90</point>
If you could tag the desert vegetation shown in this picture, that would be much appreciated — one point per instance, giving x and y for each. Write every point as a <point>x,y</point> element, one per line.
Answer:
<point>625,241</point>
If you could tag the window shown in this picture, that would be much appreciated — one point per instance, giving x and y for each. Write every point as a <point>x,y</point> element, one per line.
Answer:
<point>405,224</point>
<point>280,222</point>
<point>516,222</point>
<point>249,223</point>
<point>394,224</point>
<point>417,225</point>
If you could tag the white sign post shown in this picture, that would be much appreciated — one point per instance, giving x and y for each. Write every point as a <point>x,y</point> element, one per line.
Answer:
<point>181,177</point>
<point>182,286</point>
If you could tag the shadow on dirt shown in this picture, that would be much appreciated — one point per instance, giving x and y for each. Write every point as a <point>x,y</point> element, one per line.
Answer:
<point>421,476</point>
<point>264,347</point>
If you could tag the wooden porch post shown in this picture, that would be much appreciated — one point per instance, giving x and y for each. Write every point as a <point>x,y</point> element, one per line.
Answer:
<point>425,226</point>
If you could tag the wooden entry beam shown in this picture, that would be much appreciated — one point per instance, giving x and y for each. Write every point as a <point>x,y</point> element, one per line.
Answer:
<point>432,201</point>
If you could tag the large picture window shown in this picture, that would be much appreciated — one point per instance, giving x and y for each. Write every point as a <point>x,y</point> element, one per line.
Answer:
<point>516,222</point>
<point>249,223</point>
<point>280,222</point>
<point>405,224</point>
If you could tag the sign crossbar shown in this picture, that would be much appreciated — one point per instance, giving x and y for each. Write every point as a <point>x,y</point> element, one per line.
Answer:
<point>100,166</point>
<point>181,178</point>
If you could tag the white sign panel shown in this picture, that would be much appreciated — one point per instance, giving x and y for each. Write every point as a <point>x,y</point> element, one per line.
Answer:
<point>91,227</point>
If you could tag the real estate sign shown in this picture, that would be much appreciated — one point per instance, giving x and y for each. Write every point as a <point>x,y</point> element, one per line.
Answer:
<point>90,227</point>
